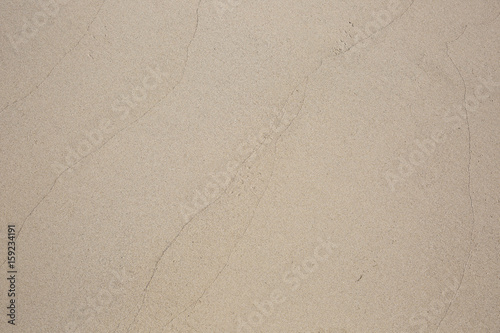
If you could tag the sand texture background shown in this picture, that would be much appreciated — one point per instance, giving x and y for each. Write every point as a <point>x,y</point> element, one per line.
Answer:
<point>251,166</point>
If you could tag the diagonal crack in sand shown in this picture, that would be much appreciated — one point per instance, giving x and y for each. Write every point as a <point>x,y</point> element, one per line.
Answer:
<point>124,128</point>
<point>193,304</point>
<point>57,64</point>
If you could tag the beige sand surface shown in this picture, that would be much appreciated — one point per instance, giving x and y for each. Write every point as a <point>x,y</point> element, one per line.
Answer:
<point>250,166</point>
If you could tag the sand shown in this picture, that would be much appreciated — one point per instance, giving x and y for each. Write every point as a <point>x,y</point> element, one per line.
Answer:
<point>250,166</point>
